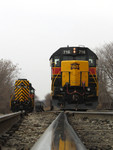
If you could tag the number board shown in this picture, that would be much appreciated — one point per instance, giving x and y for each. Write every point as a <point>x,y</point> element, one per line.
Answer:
<point>67,52</point>
<point>82,52</point>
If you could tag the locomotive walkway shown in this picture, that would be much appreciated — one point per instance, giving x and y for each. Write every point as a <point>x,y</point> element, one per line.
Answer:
<point>59,136</point>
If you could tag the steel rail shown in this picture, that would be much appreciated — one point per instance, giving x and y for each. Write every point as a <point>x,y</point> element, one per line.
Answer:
<point>59,136</point>
<point>94,114</point>
<point>7,121</point>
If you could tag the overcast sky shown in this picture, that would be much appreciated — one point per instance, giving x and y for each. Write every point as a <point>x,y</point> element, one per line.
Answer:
<point>31,30</point>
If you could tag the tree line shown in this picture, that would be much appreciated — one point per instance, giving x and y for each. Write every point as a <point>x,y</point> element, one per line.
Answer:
<point>9,73</point>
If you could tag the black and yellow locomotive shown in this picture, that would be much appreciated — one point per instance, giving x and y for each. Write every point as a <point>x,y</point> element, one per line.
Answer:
<point>23,97</point>
<point>74,78</point>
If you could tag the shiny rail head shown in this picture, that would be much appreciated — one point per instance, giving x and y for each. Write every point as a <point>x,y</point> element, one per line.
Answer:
<point>59,136</point>
<point>11,115</point>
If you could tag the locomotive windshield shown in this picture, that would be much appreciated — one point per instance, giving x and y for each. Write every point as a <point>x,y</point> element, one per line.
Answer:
<point>77,57</point>
<point>67,57</point>
<point>80,57</point>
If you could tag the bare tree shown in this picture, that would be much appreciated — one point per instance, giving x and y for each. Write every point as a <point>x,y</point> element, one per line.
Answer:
<point>48,99</point>
<point>8,73</point>
<point>105,75</point>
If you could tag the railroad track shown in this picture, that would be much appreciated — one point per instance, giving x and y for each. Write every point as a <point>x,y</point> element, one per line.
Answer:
<point>59,136</point>
<point>94,129</point>
<point>7,121</point>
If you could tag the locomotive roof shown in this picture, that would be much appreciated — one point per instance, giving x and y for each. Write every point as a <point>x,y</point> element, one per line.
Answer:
<point>59,52</point>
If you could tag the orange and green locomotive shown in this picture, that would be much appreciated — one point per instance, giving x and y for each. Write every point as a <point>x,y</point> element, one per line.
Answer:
<point>23,97</point>
<point>74,78</point>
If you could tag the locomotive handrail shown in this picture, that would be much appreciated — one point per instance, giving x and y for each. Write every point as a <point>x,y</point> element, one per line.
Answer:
<point>93,77</point>
<point>55,80</point>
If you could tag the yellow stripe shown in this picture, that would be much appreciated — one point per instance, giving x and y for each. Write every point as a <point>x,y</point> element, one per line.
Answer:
<point>17,94</point>
<point>16,89</point>
<point>26,90</point>
<point>26,97</point>
<point>16,82</point>
<point>26,83</point>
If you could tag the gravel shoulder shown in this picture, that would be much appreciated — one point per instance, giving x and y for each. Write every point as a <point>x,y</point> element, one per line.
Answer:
<point>96,133</point>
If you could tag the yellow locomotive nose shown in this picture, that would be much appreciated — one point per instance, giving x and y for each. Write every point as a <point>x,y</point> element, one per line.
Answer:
<point>75,72</point>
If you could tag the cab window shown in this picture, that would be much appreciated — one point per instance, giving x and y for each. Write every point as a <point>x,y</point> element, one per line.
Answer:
<point>92,62</point>
<point>57,61</point>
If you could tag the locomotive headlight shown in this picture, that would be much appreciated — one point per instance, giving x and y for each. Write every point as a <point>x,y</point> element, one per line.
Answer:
<point>61,89</point>
<point>74,50</point>
<point>88,89</point>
